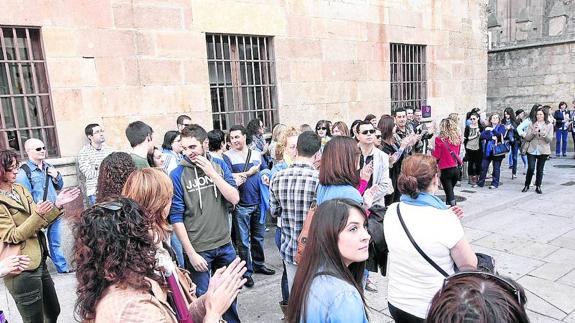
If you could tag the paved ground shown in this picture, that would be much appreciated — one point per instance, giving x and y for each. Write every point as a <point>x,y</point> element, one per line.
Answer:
<point>532,238</point>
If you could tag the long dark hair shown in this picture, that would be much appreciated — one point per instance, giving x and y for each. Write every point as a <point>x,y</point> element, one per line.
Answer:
<point>169,138</point>
<point>512,118</point>
<point>326,124</point>
<point>113,246</point>
<point>385,125</point>
<point>339,162</point>
<point>252,129</point>
<point>322,254</point>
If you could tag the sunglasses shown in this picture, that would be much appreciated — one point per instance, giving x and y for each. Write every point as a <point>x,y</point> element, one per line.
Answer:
<point>510,288</point>
<point>40,148</point>
<point>378,136</point>
<point>365,132</point>
<point>110,205</point>
<point>321,128</point>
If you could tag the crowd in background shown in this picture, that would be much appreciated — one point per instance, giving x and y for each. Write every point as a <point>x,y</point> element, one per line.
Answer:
<point>203,199</point>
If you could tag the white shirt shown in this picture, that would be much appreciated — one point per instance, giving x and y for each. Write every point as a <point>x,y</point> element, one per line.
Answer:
<point>412,280</point>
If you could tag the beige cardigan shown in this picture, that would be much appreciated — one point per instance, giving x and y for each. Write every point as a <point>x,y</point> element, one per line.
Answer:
<point>539,141</point>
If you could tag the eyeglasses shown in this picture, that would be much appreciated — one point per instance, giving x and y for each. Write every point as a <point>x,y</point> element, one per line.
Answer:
<point>510,288</point>
<point>378,136</point>
<point>40,148</point>
<point>321,128</point>
<point>365,132</point>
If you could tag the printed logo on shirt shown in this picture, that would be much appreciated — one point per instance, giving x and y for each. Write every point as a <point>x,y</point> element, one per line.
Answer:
<point>199,183</point>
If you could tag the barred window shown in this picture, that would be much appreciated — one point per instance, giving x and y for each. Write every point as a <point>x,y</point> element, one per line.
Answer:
<point>408,76</point>
<point>25,106</point>
<point>242,80</point>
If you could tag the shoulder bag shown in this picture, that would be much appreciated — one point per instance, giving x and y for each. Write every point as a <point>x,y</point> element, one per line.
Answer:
<point>485,262</point>
<point>302,238</point>
<point>10,249</point>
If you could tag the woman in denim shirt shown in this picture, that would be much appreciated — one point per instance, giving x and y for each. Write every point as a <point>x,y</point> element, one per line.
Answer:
<point>327,286</point>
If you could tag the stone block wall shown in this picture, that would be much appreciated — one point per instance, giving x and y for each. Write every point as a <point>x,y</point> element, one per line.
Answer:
<point>117,61</point>
<point>522,77</point>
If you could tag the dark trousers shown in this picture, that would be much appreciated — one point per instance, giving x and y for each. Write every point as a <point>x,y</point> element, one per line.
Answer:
<point>400,316</point>
<point>473,162</point>
<point>249,236</point>
<point>513,154</point>
<point>34,295</point>
<point>448,179</point>
<point>496,171</point>
<point>284,281</point>
<point>216,258</point>
<point>535,162</point>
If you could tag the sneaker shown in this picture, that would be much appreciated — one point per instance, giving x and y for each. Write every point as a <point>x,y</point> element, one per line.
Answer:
<point>513,176</point>
<point>491,187</point>
<point>564,155</point>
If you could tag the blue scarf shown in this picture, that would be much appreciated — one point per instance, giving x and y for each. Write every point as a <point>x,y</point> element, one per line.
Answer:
<point>424,199</point>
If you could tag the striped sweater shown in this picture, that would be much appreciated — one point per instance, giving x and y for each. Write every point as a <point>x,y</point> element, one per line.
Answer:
<point>89,160</point>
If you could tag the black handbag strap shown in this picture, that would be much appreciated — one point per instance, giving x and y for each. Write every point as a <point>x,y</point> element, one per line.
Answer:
<point>426,257</point>
<point>247,160</point>
<point>452,153</point>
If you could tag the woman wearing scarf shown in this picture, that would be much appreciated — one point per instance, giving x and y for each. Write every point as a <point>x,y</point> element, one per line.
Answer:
<point>434,227</point>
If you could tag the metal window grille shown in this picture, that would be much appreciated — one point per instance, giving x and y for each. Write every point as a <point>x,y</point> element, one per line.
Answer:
<point>25,104</point>
<point>408,76</point>
<point>242,80</point>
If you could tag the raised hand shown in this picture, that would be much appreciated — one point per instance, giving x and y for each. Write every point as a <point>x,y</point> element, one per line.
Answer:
<point>67,195</point>
<point>224,287</point>
<point>44,207</point>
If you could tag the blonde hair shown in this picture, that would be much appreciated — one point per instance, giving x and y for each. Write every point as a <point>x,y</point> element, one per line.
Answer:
<point>282,141</point>
<point>448,129</point>
<point>278,130</point>
<point>152,189</point>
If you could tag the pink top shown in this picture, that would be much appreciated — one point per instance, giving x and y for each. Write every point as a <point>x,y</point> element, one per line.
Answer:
<point>362,186</point>
<point>441,153</point>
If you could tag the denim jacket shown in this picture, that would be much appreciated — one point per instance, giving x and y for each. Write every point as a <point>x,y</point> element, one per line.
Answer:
<point>331,300</point>
<point>38,177</point>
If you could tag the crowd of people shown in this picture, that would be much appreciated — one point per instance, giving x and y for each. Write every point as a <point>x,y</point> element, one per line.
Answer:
<point>202,200</point>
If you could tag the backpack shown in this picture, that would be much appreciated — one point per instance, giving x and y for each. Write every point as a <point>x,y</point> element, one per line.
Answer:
<point>303,236</point>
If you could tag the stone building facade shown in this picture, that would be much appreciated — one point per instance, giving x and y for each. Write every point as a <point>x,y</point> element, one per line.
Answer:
<point>117,61</point>
<point>532,54</point>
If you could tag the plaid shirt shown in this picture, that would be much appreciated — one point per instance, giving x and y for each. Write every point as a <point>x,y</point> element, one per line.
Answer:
<point>292,192</point>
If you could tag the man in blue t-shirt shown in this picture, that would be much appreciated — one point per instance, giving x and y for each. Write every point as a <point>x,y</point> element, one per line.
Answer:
<point>245,164</point>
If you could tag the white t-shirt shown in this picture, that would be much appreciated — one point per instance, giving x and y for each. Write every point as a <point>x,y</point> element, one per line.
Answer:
<point>412,280</point>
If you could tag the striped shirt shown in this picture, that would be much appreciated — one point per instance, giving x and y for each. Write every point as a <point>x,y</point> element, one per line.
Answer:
<point>89,160</point>
<point>292,192</point>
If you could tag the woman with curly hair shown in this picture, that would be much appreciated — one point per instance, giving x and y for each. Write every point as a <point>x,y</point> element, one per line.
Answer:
<point>447,154</point>
<point>114,172</point>
<point>118,278</point>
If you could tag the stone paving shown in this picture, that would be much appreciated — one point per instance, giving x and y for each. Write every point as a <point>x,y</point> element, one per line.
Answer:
<point>532,238</point>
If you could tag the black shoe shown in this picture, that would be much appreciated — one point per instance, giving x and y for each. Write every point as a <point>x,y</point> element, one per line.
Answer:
<point>525,189</point>
<point>265,271</point>
<point>538,190</point>
<point>250,282</point>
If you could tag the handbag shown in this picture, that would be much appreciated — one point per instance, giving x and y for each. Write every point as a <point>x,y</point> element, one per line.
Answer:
<point>485,263</point>
<point>457,160</point>
<point>180,305</point>
<point>303,236</point>
<point>10,249</point>
<point>500,149</point>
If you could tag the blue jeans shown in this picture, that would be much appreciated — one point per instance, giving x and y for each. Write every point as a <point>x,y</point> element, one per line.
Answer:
<point>249,236</point>
<point>54,240</point>
<point>561,142</point>
<point>284,282</point>
<point>514,152</point>
<point>496,171</point>
<point>91,200</point>
<point>178,249</point>
<point>216,258</point>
